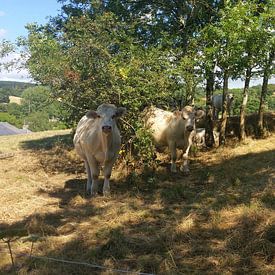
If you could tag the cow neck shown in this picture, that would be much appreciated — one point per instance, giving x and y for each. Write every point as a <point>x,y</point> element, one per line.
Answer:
<point>181,125</point>
<point>107,142</point>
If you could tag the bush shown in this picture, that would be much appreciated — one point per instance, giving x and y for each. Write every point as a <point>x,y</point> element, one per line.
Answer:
<point>144,148</point>
<point>5,117</point>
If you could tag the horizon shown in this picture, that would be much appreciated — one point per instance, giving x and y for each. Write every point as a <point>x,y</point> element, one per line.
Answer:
<point>231,88</point>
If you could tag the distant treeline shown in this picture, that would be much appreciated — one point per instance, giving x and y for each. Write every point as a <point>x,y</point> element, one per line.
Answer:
<point>37,108</point>
<point>15,85</point>
<point>12,88</point>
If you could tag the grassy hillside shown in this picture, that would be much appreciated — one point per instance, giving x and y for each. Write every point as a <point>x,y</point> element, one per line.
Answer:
<point>219,220</point>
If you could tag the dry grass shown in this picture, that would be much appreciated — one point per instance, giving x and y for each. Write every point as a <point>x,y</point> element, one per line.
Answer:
<point>219,220</point>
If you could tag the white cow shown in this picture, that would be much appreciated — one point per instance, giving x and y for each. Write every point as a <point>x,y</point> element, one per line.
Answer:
<point>199,138</point>
<point>217,104</point>
<point>97,141</point>
<point>175,130</point>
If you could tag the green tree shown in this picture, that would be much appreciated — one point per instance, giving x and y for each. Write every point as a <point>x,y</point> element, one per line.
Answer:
<point>256,23</point>
<point>267,61</point>
<point>135,53</point>
<point>267,72</point>
<point>230,48</point>
<point>15,110</point>
<point>38,121</point>
<point>6,48</point>
<point>36,99</point>
<point>6,117</point>
<point>4,95</point>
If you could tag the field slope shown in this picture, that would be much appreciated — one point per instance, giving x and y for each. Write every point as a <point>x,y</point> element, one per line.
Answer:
<point>218,220</point>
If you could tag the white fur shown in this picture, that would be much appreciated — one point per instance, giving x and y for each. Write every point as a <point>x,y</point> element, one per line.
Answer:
<point>96,147</point>
<point>171,129</point>
<point>217,104</point>
<point>199,138</point>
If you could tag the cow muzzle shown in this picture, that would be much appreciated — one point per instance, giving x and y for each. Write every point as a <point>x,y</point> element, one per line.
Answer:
<point>190,128</point>
<point>106,129</point>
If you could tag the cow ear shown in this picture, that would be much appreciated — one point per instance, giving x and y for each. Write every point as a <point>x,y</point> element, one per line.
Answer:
<point>177,113</point>
<point>120,111</point>
<point>199,114</point>
<point>92,114</point>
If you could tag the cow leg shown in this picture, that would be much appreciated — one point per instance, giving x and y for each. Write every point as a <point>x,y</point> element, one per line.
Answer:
<point>217,114</point>
<point>184,167</point>
<point>229,112</point>
<point>107,171</point>
<point>173,151</point>
<point>214,113</point>
<point>89,177</point>
<point>94,174</point>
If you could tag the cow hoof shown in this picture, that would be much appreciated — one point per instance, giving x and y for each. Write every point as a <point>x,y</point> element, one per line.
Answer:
<point>88,192</point>
<point>185,171</point>
<point>173,168</point>
<point>94,194</point>
<point>91,193</point>
<point>106,193</point>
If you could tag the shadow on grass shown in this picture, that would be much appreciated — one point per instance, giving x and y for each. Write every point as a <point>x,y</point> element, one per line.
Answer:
<point>231,182</point>
<point>157,246</point>
<point>56,154</point>
<point>48,143</point>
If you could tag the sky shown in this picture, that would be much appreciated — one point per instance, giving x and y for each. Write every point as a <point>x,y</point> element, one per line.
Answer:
<point>16,14</point>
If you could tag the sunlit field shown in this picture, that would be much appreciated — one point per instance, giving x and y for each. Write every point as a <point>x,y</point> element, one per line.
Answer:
<point>218,220</point>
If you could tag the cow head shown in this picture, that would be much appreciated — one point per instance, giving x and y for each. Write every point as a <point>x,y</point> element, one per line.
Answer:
<point>230,97</point>
<point>189,115</point>
<point>107,114</point>
<point>229,101</point>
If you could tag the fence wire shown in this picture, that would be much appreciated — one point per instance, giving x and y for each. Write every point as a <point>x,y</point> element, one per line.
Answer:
<point>79,263</point>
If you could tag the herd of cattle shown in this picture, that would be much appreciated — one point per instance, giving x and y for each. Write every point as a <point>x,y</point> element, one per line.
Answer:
<point>97,139</point>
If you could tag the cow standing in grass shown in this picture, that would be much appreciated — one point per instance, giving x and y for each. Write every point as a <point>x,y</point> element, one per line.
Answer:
<point>217,104</point>
<point>97,141</point>
<point>175,130</point>
<point>199,138</point>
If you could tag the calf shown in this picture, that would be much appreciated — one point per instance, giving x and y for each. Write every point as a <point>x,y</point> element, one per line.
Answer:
<point>97,141</point>
<point>199,138</point>
<point>175,130</point>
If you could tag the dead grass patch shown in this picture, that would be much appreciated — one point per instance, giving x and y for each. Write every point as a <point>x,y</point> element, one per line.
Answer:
<point>219,220</point>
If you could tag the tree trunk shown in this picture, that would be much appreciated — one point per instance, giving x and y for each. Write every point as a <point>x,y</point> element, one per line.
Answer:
<point>209,138</point>
<point>267,72</point>
<point>244,103</point>
<point>224,107</point>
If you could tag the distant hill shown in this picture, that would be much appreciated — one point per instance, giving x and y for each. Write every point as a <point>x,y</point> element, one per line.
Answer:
<point>16,85</point>
<point>12,88</point>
